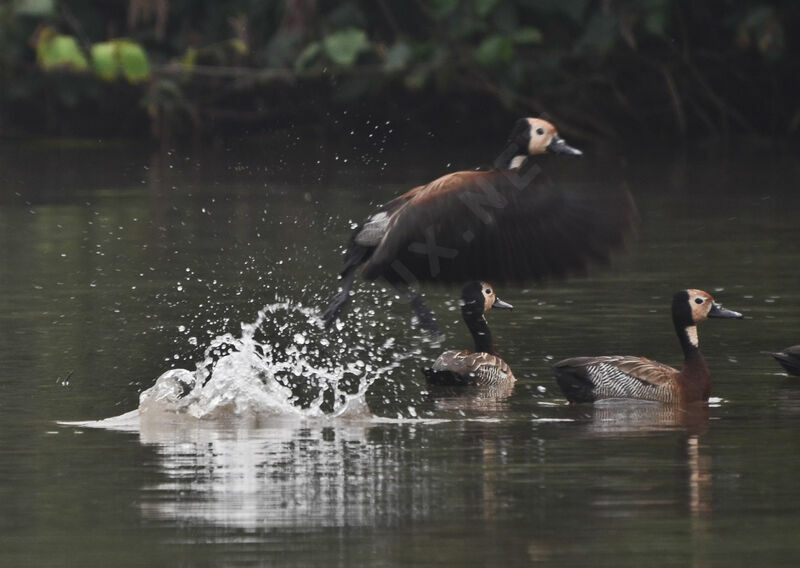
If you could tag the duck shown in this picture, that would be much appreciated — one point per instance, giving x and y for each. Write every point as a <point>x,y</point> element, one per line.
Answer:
<point>483,367</point>
<point>588,379</point>
<point>504,225</point>
<point>789,359</point>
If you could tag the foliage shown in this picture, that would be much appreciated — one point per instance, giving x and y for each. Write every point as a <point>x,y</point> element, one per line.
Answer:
<point>601,68</point>
<point>120,57</point>
<point>56,51</point>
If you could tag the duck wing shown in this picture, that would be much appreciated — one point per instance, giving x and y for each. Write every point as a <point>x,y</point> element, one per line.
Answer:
<point>465,368</point>
<point>586,379</point>
<point>496,226</point>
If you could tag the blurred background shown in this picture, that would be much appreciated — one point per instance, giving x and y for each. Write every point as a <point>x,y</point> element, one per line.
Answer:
<point>604,70</point>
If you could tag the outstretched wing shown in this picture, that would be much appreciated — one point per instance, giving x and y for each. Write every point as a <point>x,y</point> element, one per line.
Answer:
<point>500,227</point>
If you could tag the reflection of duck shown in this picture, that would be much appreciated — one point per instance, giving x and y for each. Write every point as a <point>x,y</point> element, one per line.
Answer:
<point>495,224</point>
<point>484,403</point>
<point>789,359</point>
<point>634,418</point>
<point>484,367</point>
<point>586,379</point>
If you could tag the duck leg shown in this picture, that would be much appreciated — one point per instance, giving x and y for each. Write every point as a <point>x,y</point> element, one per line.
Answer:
<point>425,318</point>
<point>341,299</point>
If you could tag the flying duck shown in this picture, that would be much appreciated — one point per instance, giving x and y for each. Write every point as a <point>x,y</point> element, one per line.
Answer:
<point>484,367</point>
<point>505,225</point>
<point>789,359</point>
<point>587,379</point>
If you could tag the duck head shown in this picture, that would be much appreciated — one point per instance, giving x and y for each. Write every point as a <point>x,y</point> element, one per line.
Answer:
<point>533,136</point>
<point>690,307</point>
<point>479,297</point>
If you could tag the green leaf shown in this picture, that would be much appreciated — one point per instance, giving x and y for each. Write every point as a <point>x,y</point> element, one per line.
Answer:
<point>35,8</point>
<point>442,8</point>
<point>494,50</point>
<point>343,47</point>
<point>133,61</point>
<point>54,51</point>
<point>104,60</point>
<point>111,58</point>
<point>483,7</point>
<point>307,56</point>
<point>189,58</point>
<point>527,35</point>
<point>397,58</point>
<point>238,46</point>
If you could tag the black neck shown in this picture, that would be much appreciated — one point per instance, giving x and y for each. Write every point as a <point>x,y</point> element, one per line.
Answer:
<point>480,331</point>
<point>511,151</point>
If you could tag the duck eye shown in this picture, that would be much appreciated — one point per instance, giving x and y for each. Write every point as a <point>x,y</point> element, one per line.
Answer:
<point>698,300</point>
<point>540,131</point>
<point>488,291</point>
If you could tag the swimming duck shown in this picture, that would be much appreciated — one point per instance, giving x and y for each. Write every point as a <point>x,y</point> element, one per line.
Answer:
<point>484,367</point>
<point>789,359</point>
<point>587,379</point>
<point>502,225</point>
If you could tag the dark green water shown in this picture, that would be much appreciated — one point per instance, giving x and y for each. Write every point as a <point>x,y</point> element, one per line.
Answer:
<point>117,265</point>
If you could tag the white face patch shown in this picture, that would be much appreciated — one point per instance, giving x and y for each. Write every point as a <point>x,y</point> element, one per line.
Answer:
<point>691,333</point>
<point>539,142</point>
<point>700,303</point>
<point>517,161</point>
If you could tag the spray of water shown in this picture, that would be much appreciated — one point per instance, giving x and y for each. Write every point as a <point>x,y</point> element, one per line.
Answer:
<point>282,365</point>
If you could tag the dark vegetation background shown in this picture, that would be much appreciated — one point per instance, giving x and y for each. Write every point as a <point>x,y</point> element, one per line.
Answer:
<point>632,71</point>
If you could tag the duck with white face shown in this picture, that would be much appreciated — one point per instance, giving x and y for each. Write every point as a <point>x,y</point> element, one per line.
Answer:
<point>483,367</point>
<point>504,225</point>
<point>587,379</point>
<point>536,136</point>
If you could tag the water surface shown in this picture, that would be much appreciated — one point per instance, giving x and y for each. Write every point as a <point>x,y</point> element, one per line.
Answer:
<point>118,264</point>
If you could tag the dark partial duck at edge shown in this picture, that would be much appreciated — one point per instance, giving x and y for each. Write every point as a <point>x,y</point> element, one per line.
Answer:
<point>789,359</point>
<point>483,367</point>
<point>587,379</point>
<point>504,225</point>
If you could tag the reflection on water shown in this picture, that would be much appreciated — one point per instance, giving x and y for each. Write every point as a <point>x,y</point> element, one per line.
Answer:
<point>699,478</point>
<point>367,472</point>
<point>279,477</point>
<point>488,401</point>
<point>625,418</point>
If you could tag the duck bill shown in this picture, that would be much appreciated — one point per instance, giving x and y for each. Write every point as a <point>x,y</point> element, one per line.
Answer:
<point>558,146</point>
<point>718,311</point>
<point>500,304</point>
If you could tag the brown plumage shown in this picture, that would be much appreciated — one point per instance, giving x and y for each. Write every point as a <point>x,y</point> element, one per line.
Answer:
<point>503,225</point>
<point>586,379</point>
<point>484,367</point>
<point>789,359</point>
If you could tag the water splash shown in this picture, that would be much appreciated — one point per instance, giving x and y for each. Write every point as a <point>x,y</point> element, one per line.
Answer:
<point>282,365</point>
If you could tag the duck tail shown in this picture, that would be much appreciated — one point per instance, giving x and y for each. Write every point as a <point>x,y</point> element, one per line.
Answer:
<point>574,382</point>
